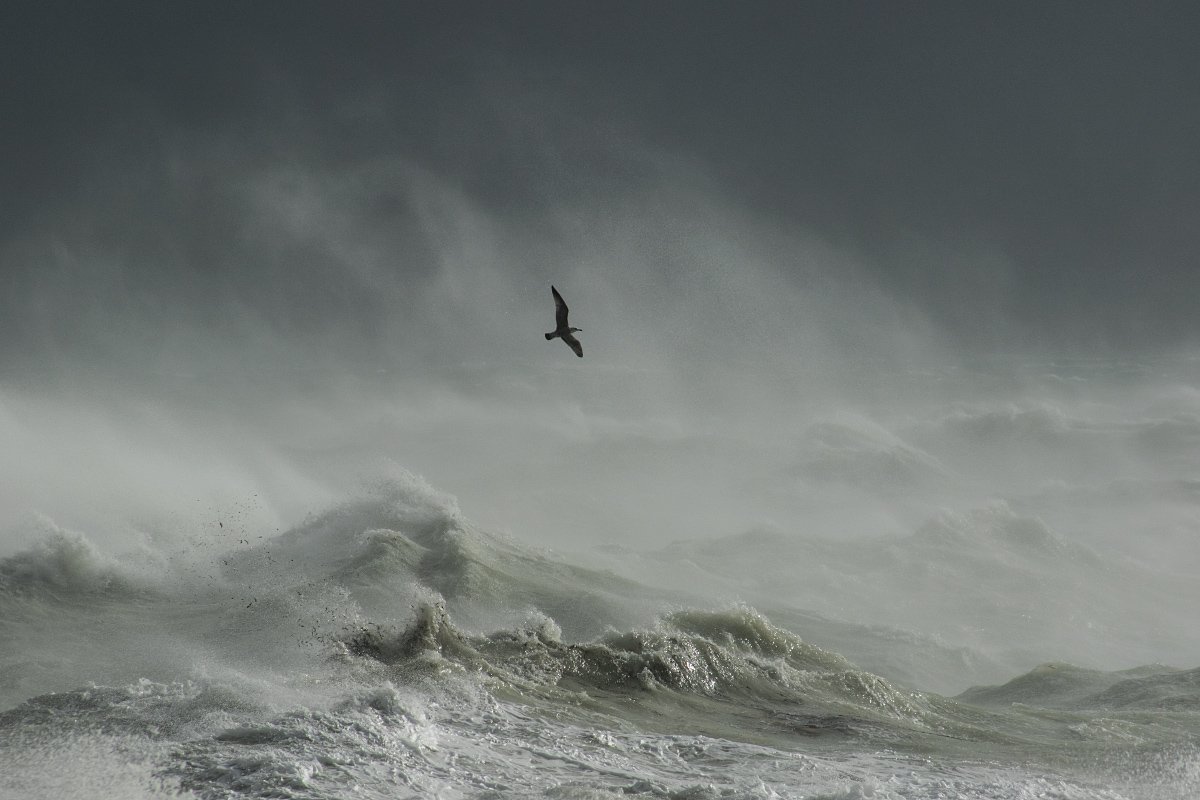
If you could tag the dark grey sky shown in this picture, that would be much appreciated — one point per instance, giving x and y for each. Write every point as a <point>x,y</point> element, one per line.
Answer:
<point>1033,163</point>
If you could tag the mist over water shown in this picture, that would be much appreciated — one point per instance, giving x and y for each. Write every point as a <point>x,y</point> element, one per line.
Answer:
<point>296,500</point>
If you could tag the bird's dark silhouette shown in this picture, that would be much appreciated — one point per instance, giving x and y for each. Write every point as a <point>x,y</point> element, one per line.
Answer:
<point>563,330</point>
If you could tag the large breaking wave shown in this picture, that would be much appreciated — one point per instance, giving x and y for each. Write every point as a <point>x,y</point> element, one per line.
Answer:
<point>391,645</point>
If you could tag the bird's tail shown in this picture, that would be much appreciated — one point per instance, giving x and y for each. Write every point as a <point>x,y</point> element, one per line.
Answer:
<point>549,336</point>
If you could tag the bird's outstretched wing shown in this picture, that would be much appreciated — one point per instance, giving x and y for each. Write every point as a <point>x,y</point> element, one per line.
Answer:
<point>574,344</point>
<point>560,309</point>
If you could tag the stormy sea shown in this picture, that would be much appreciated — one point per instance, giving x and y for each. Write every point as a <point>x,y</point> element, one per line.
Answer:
<point>972,582</point>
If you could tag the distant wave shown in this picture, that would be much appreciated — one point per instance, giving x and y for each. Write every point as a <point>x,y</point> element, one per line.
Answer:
<point>1039,426</point>
<point>66,565</point>
<point>1065,686</point>
<point>1036,422</point>
<point>866,455</point>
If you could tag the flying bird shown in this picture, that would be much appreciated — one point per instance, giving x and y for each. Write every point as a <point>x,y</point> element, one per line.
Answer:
<point>564,331</point>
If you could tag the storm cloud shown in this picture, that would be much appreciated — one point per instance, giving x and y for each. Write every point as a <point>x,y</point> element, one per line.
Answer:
<point>1017,176</point>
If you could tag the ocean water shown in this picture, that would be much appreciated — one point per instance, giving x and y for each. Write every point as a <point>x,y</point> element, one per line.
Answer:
<point>993,597</point>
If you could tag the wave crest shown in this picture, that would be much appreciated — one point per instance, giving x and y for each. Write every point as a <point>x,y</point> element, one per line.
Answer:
<point>64,564</point>
<point>735,654</point>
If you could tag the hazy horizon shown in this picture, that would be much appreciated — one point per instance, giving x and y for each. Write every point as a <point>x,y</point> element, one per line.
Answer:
<point>260,254</point>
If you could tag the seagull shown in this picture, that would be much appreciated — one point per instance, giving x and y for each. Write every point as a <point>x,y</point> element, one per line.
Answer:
<point>563,331</point>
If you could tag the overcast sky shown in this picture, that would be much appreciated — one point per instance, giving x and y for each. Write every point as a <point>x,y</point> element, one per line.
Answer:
<point>1005,175</point>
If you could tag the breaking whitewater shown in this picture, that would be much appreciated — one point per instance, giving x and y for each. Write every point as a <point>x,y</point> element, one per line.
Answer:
<point>389,647</point>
